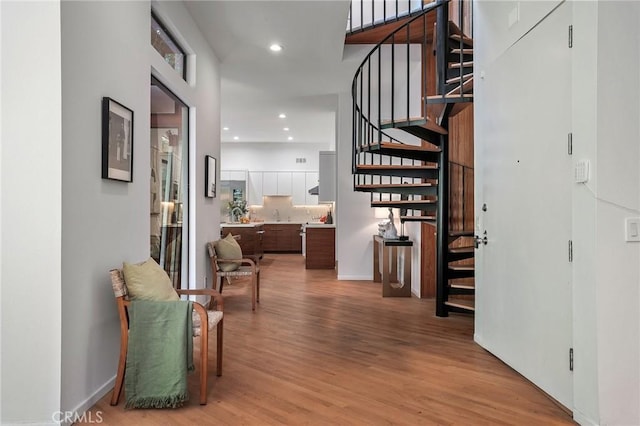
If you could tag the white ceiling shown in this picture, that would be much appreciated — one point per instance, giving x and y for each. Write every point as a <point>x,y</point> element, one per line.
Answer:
<point>301,81</point>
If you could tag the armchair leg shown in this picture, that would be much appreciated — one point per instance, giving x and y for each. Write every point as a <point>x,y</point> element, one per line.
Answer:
<point>219,349</point>
<point>204,349</point>
<point>117,389</point>
<point>253,292</point>
<point>258,288</point>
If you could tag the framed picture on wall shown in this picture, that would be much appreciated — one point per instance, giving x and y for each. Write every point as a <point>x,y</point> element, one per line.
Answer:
<point>210,176</point>
<point>117,141</point>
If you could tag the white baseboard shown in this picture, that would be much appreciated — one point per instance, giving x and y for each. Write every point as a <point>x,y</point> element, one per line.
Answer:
<point>82,409</point>
<point>582,420</point>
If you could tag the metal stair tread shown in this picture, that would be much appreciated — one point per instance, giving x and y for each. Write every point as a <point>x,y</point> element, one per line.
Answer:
<point>466,86</point>
<point>465,51</point>
<point>462,286</point>
<point>465,40</point>
<point>465,249</point>
<point>428,218</point>
<point>465,64</point>
<point>395,167</point>
<point>414,121</point>
<point>462,267</point>
<point>395,185</point>
<point>461,304</point>
<point>461,233</point>
<point>403,202</point>
<point>398,146</point>
<point>457,79</point>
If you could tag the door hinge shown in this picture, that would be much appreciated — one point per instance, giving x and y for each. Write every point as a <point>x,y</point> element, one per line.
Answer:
<point>570,359</point>
<point>570,144</point>
<point>570,36</point>
<point>570,251</point>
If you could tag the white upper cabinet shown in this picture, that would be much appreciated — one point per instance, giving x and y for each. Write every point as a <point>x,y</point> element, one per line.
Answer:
<point>270,183</point>
<point>255,188</point>
<point>284,183</point>
<point>295,184</point>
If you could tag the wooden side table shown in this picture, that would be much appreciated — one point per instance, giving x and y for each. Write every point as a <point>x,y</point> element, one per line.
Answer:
<point>385,266</point>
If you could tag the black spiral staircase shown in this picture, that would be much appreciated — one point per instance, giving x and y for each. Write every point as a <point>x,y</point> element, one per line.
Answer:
<point>418,76</point>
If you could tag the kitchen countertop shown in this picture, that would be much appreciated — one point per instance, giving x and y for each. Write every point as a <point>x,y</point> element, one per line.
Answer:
<point>251,224</point>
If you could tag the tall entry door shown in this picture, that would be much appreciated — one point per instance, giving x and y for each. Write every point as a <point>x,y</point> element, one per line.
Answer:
<point>523,203</point>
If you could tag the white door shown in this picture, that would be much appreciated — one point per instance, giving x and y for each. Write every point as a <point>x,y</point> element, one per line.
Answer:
<point>523,176</point>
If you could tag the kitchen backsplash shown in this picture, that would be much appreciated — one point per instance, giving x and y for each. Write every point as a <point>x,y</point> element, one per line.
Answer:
<point>281,208</point>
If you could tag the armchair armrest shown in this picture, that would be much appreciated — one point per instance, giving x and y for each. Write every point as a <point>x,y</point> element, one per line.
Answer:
<point>215,296</point>
<point>244,261</point>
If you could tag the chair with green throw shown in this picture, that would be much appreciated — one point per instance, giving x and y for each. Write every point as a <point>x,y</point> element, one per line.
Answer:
<point>128,291</point>
<point>227,261</point>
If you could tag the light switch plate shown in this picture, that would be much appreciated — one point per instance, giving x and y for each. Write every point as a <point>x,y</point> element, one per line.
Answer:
<point>632,229</point>
<point>582,171</point>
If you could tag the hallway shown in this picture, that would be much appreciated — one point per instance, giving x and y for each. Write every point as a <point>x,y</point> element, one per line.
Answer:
<point>322,351</point>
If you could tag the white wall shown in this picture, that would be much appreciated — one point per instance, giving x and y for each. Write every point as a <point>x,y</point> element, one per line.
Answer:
<point>31,211</point>
<point>269,157</point>
<point>616,188</point>
<point>605,111</point>
<point>106,52</point>
<point>355,218</point>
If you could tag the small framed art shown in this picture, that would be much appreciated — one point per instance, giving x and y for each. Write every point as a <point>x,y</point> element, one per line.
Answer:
<point>117,141</point>
<point>210,176</point>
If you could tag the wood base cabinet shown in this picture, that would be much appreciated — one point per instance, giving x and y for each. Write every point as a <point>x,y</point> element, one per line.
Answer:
<point>321,248</point>
<point>282,237</point>
<point>250,238</point>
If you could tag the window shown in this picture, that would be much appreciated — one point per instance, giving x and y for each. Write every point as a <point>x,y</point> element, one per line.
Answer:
<point>169,200</point>
<point>167,46</point>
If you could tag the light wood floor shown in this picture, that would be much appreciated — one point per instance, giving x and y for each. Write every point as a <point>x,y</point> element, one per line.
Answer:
<point>322,352</point>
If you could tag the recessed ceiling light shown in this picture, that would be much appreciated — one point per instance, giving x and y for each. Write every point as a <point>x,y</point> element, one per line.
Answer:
<point>286,129</point>
<point>290,138</point>
<point>225,128</point>
<point>282,115</point>
<point>235,138</point>
<point>275,47</point>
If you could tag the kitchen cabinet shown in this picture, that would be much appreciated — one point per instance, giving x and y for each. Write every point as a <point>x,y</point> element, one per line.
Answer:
<point>284,183</point>
<point>255,188</point>
<point>240,175</point>
<point>251,241</point>
<point>295,184</point>
<point>282,237</point>
<point>269,183</point>
<point>298,188</point>
<point>320,247</point>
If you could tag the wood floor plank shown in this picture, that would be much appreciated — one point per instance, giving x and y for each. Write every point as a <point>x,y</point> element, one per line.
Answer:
<point>320,351</point>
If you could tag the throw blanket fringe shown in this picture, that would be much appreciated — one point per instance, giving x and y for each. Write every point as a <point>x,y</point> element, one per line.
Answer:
<point>159,354</point>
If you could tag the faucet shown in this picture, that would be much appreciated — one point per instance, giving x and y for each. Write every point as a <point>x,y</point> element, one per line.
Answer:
<point>277,214</point>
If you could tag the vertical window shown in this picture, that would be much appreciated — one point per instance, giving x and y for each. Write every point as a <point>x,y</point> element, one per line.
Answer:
<point>169,179</point>
<point>166,45</point>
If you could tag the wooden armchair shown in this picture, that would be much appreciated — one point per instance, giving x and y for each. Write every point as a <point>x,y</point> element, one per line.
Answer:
<point>203,321</point>
<point>248,267</point>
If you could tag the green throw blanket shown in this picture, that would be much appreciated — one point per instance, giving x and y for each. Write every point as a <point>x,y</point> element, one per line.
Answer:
<point>159,354</point>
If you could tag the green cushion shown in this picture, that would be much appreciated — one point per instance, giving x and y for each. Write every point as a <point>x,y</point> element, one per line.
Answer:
<point>148,281</point>
<point>228,248</point>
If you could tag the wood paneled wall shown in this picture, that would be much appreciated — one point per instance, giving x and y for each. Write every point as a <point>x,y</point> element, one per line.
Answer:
<point>467,15</point>
<point>461,181</point>
<point>461,209</point>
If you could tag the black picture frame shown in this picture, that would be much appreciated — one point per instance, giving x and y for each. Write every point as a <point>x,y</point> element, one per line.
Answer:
<point>117,141</point>
<point>210,176</point>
